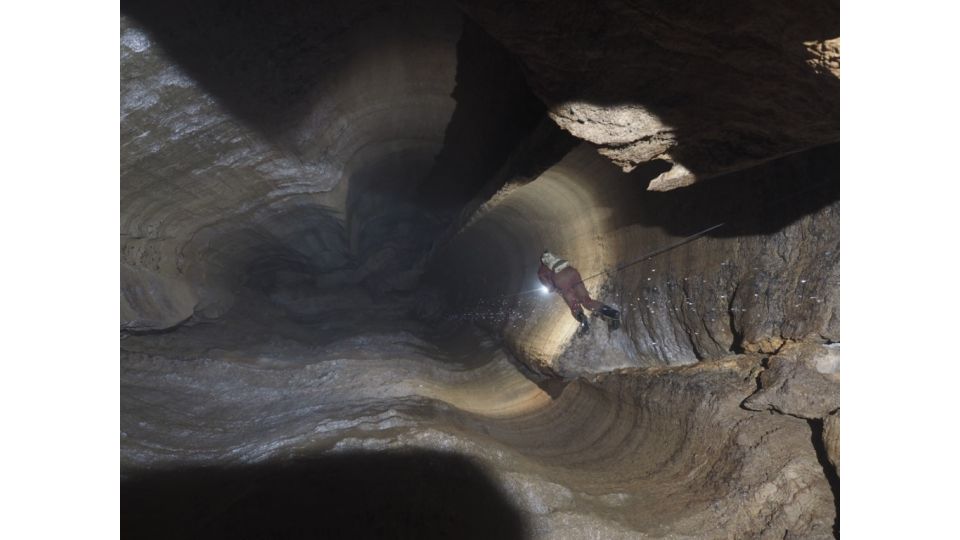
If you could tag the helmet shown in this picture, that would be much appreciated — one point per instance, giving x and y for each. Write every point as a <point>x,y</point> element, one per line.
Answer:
<point>553,262</point>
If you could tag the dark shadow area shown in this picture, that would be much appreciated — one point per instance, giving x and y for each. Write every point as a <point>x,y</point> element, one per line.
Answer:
<point>495,111</point>
<point>390,231</point>
<point>265,247</point>
<point>422,494</point>
<point>816,437</point>
<point>127,332</point>
<point>760,200</point>
<point>264,59</point>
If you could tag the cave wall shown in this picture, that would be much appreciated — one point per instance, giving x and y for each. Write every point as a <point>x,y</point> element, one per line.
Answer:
<point>707,88</point>
<point>209,191</point>
<point>277,156</point>
<point>329,154</point>
<point>299,146</point>
<point>768,276</point>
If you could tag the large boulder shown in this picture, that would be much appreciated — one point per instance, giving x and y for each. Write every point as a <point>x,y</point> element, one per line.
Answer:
<point>802,381</point>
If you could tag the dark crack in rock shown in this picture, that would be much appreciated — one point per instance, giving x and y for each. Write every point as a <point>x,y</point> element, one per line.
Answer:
<point>831,439</point>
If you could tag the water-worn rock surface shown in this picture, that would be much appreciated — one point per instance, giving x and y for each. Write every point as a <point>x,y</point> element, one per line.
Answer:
<point>331,220</point>
<point>625,454</point>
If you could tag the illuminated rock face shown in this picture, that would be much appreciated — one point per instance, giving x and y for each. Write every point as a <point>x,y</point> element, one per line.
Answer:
<point>331,220</point>
<point>768,276</point>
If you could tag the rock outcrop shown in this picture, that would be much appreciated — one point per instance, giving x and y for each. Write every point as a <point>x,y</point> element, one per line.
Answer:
<point>707,88</point>
<point>802,381</point>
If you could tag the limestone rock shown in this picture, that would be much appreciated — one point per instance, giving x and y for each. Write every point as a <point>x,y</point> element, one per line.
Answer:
<point>831,439</point>
<point>780,483</point>
<point>151,301</point>
<point>802,381</point>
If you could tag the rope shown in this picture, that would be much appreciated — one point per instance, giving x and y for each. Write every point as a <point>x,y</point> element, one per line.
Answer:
<point>670,247</point>
<point>620,268</point>
<point>653,254</point>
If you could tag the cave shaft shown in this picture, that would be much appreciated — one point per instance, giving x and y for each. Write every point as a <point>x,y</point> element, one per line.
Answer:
<point>331,221</point>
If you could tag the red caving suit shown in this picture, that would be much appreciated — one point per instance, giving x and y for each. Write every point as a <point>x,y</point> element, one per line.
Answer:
<point>569,284</point>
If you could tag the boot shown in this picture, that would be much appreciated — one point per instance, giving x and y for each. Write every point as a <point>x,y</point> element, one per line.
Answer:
<point>612,317</point>
<point>584,326</point>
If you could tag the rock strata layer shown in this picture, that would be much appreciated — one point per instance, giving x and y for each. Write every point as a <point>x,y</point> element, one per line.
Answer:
<point>768,276</point>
